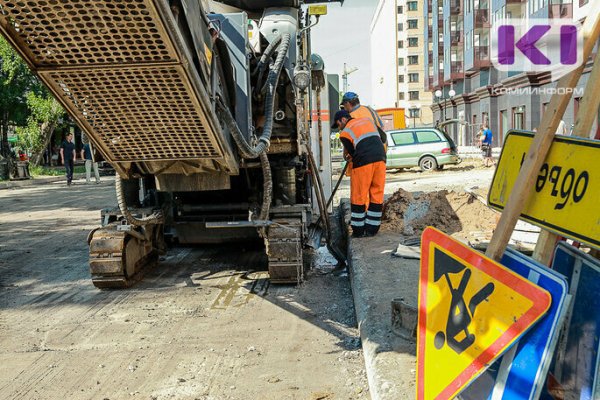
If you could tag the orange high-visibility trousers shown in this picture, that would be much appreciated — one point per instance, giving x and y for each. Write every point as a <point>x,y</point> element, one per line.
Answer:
<point>367,184</point>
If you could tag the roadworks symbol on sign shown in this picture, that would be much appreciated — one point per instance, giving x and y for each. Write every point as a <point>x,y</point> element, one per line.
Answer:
<point>471,310</point>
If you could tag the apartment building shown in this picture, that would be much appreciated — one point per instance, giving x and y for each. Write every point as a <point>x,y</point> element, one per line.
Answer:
<point>460,71</point>
<point>403,78</point>
<point>384,56</point>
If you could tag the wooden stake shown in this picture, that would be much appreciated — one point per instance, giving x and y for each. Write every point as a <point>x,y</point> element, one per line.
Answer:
<point>542,142</point>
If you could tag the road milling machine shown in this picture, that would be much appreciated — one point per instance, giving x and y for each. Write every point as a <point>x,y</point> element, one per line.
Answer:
<point>212,114</point>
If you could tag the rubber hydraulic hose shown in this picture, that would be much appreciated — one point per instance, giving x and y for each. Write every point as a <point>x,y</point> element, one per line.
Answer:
<point>155,218</point>
<point>267,187</point>
<point>262,63</point>
<point>260,67</point>
<point>246,150</point>
<point>272,82</point>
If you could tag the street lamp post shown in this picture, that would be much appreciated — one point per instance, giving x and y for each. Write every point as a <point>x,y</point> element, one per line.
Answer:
<point>347,71</point>
<point>439,95</point>
<point>451,94</point>
<point>414,111</point>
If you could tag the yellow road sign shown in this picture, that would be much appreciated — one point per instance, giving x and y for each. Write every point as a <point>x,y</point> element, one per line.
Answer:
<point>566,196</point>
<point>317,10</point>
<point>471,310</point>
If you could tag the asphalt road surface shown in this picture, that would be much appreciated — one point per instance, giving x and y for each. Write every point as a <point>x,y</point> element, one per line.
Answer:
<point>204,324</point>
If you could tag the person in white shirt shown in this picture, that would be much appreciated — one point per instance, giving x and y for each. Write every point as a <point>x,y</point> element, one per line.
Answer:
<point>562,128</point>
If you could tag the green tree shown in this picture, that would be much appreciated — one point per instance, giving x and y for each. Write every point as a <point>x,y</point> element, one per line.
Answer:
<point>25,103</point>
<point>45,113</point>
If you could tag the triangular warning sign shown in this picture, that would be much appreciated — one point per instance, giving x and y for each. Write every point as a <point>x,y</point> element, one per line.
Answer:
<point>471,310</point>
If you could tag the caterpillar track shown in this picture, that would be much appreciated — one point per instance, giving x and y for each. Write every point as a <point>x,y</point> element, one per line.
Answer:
<point>119,254</point>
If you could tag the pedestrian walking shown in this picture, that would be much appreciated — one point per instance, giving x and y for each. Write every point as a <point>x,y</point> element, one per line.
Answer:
<point>68,156</point>
<point>486,145</point>
<point>363,145</point>
<point>562,128</point>
<point>480,136</point>
<point>86,154</point>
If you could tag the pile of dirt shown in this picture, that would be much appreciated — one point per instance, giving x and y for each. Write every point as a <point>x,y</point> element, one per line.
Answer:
<point>451,212</point>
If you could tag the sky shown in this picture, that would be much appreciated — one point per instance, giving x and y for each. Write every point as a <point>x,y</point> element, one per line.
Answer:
<point>343,36</point>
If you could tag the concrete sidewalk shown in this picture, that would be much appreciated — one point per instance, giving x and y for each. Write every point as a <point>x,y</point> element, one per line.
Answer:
<point>377,278</point>
<point>42,180</point>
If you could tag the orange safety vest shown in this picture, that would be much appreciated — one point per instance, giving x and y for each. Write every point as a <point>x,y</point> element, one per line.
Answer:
<point>366,140</point>
<point>366,112</point>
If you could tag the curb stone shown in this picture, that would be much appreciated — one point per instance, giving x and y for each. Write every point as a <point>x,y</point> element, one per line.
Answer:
<point>36,181</point>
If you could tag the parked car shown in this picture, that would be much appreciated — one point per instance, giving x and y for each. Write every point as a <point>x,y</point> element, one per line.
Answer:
<point>427,148</point>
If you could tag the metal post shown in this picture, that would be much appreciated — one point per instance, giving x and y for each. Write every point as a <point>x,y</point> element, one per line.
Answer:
<point>345,79</point>
<point>444,110</point>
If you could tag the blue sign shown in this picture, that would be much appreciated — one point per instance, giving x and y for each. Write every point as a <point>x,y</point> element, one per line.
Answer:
<point>521,372</point>
<point>574,370</point>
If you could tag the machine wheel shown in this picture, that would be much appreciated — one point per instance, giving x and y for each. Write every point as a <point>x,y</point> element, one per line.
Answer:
<point>428,163</point>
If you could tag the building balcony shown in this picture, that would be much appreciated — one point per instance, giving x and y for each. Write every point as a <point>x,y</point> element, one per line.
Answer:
<point>482,19</point>
<point>457,71</point>
<point>455,7</point>
<point>561,11</point>
<point>457,67</point>
<point>437,80</point>
<point>456,38</point>
<point>482,57</point>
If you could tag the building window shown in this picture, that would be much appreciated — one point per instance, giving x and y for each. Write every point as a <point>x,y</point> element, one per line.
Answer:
<point>413,24</point>
<point>412,6</point>
<point>413,95</point>
<point>401,96</point>
<point>413,78</point>
<point>518,117</point>
<point>401,78</point>
<point>413,42</point>
<point>400,27</point>
<point>413,60</point>
<point>401,62</point>
<point>400,44</point>
<point>400,9</point>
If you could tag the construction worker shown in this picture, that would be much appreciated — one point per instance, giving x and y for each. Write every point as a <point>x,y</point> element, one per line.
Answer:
<point>351,103</point>
<point>363,145</point>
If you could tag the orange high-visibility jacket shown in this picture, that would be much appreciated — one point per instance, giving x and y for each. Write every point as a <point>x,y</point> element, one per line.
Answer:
<point>366,112</point>
<point>363,142</point>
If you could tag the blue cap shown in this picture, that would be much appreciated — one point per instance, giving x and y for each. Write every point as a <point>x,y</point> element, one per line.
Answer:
<point>338,116</point>
<point>349,96</point>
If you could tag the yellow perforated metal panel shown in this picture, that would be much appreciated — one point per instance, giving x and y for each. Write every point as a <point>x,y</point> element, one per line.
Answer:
<point>78,32</point>
<point>142,113</point>
<point>120,73</point>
